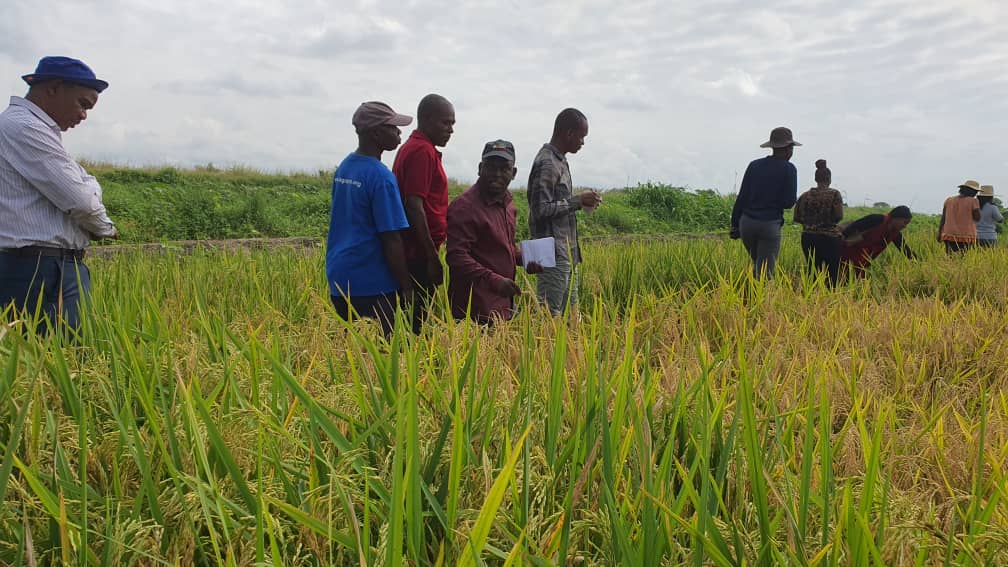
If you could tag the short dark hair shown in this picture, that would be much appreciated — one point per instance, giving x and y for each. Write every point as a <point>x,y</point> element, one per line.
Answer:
<point>430,105</point>
<point>901,212</point>
<point>569,119</point>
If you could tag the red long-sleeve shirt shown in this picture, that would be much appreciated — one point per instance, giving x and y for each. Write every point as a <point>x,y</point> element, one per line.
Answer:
<point>481,250</point>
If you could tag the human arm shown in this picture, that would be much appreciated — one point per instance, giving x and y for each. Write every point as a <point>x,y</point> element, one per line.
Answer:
<point>902,245</point>
<point>420,231</point>
<point>395,257</point>
<point>390,219</point>
<point>545,195</point>
<point>997,214</point>
<point>976,210</point>
<point>799,210</point>
<point>941,223</point>
<point>414,174</point>
<point>463,239</point>
<point>837,207</point>
<point>790,190</point>
<point>742,199</point>
<point>40,158</point>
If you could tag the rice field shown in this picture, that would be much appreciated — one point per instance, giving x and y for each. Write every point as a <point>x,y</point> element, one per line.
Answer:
<point>215,412</point>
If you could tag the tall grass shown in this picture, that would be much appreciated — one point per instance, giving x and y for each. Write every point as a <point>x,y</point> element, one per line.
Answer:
<point>214,411</point>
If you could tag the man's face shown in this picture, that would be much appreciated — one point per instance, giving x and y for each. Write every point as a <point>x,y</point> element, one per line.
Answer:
<point>388,136</point>
<point>496,173</point>
<point>68,104</point>
<point>899,224</point>
<point>576,137</point>
<point>441,126</point>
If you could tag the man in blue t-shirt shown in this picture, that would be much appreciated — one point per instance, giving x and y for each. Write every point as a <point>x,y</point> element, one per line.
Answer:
<point>365,263</point>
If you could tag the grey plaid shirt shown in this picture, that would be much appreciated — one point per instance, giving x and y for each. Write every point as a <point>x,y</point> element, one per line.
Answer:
<point>552,204</point>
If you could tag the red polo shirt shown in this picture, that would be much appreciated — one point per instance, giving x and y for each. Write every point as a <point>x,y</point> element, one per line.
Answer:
<point>418,170</point>
<point>481,249</point>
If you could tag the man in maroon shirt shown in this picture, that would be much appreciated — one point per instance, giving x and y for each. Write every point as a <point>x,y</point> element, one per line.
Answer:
<point>482,253</point>
<point>424,188</point>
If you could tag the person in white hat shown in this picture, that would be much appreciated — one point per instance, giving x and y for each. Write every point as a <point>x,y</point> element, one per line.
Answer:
<point>990,216</point>
<point>957,228</point>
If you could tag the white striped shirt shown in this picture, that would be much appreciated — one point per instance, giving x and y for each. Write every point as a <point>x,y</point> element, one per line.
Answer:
<point>46,198</point>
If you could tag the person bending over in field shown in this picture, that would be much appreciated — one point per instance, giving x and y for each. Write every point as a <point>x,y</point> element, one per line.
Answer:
<point>365,263</point>
<point>819,210</point>
<point>957,228</point>
<point>769,186</point>
<point>990,216</point>
<point>50,208</point>
<point>482,253</point>
<point>868,236</point>
<point>423,185</point>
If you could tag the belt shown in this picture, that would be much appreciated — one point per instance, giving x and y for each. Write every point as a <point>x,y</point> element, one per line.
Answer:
<point>63,253</point>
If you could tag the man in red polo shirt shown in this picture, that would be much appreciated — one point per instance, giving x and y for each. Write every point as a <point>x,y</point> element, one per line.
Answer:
<point>424,188</point>
<point>482,254</point>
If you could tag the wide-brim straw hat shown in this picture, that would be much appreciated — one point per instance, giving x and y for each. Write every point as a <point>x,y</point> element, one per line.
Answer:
<point>971,184</point>
<point>986,191</point>
<point>780,137</point>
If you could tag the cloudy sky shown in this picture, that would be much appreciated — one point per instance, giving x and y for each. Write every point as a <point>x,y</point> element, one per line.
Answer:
<point>904,98</point>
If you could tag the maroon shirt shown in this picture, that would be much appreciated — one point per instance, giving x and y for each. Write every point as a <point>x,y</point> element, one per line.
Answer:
<point>419,172</point>
<point>481,250</point>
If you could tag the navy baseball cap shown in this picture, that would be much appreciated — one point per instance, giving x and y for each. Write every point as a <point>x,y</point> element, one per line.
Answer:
<point>65,69</point>
<point>499,148</point>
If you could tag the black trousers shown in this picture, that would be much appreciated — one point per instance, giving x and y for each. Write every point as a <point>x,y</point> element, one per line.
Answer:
<point>423,293</point>
<point>822,252</point>
<point>957,247</point>
<point>380,307</point>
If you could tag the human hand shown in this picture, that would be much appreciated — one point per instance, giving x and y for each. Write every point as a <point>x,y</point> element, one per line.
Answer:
<point>435,271</point>
<point>734,233</point>
<point>534,268</point>
<point>405,294</point>
<point>505,287</point>
<point>590,199</point>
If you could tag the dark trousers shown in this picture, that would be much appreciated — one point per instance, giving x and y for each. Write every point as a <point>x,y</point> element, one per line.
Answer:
<point>957,247</point>
<point>55,284</point>
<point>380,307</point>
<point>822,252</point>
<point>986,243</point>
<point>423,293</point>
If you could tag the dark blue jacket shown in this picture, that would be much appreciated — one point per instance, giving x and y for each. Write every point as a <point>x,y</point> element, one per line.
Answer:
<point>769,186</point>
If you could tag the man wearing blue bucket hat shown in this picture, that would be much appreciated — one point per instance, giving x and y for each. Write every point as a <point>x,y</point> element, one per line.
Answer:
<point>50,208</point>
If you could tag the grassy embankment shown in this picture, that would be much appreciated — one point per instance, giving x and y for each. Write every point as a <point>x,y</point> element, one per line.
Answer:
<point>215,412</point>
<point>152,205</point>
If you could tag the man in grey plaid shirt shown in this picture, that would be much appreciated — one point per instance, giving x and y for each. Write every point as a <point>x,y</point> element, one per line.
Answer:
<point>553,208</point>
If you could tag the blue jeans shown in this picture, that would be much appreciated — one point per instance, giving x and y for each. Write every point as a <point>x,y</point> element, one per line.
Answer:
<point>58,284</point>
<point>762,241</point>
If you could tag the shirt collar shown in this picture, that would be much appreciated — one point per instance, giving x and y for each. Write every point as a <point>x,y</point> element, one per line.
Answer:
<point>34,109</point>
<point>555,151</point>
<point>420,136</point>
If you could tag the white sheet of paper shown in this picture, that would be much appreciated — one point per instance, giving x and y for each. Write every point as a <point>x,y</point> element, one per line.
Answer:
<point>542,250</point>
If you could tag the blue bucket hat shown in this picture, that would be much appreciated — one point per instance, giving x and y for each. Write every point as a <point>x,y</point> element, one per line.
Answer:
<point>65,69</point>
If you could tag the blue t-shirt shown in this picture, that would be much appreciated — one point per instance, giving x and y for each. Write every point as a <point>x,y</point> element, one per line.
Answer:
<point>365,202</point>
<point>769,186</point>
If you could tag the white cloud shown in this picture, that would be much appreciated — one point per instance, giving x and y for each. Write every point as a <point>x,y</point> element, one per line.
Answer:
<point>904,97</point>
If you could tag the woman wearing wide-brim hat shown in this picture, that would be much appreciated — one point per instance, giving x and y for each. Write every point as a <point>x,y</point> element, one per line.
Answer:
<point>957,228</point>
<point>769,186</point>
<point>990,216</point>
